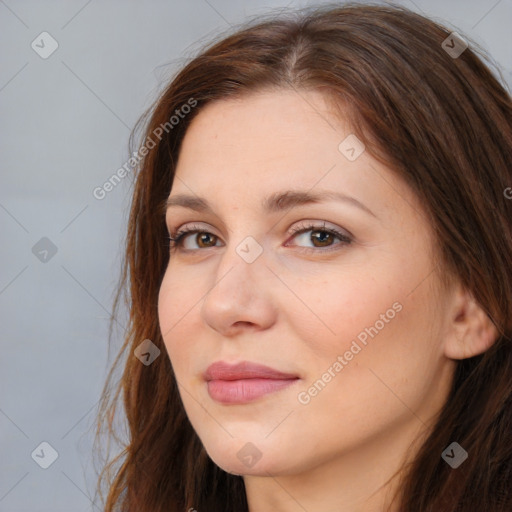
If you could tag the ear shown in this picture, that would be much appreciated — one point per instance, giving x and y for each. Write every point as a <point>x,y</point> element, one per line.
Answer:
<point>470,331</point>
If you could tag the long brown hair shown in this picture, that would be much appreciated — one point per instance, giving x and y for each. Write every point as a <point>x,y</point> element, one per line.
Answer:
<point>443,123</point>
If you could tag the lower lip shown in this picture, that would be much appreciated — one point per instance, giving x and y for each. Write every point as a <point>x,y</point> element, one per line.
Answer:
<point>244,390</point>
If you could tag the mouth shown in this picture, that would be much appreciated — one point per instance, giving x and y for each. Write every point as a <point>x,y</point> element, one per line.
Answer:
<point>244,382</point>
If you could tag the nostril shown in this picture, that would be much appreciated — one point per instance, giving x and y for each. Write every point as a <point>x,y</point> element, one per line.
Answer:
<point>243,324</point>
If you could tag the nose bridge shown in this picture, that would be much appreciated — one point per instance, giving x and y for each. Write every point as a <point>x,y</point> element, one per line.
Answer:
<point>238,292</point>
<point>242,260</point>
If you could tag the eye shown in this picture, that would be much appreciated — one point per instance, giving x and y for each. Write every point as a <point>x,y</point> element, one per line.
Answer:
<point>202,237</point>
<point>320,235</point>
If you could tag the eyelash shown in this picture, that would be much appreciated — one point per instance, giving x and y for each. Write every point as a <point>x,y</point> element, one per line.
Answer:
<point>176,239</point>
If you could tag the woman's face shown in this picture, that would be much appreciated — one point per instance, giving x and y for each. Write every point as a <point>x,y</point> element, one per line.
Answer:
<point>348,307</point>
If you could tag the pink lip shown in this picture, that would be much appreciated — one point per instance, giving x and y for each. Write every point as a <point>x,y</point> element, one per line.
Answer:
<point>244,382</point>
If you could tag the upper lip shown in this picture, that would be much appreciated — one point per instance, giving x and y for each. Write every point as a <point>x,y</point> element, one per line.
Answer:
<point>221,370</point>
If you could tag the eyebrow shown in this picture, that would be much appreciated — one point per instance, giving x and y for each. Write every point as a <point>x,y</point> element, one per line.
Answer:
<point>276,202</point>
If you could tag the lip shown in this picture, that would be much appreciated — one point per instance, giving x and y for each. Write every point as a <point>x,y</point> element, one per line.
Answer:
<point>243,370</point>
<point>244,382</point>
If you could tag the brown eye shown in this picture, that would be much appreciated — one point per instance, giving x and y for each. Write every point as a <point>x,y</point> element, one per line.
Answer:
<point>319,236</point>
<point>203,238</point>
<point>324,239</point>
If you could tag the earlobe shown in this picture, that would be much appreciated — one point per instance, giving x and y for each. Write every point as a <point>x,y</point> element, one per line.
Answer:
<point>471,332</point>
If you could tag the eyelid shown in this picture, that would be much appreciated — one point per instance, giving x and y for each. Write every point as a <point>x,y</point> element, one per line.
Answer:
<point>311,224</point>
<point>188,227</point>
<point>320,225</point>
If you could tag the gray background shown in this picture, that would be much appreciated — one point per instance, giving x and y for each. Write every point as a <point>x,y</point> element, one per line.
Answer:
<point>65,123</point>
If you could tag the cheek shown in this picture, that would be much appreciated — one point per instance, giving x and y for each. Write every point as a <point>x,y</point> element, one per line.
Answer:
<point>180,293</point>
<point>380,358</point>
<point>331,310</point>
<point>379,318</point>
<point>177,300</point>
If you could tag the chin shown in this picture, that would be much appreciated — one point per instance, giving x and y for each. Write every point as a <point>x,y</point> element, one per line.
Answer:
<point>245,458</point>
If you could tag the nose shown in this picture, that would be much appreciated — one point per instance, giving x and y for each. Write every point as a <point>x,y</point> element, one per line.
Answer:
<point>240,295</point>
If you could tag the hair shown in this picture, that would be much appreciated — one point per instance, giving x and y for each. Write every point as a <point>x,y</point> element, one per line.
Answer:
<point>442,124</point>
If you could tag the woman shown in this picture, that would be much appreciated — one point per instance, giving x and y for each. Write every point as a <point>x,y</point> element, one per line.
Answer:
<point>320,278</point>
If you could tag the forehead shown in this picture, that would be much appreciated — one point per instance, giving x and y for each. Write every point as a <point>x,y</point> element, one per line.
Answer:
<point>243,150</point>
<point>266,135</point>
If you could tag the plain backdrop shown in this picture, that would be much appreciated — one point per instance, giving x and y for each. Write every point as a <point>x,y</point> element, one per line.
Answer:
<point>65,123</point>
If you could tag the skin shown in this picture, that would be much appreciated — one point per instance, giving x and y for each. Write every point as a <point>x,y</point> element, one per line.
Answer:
<point>297,311</point>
